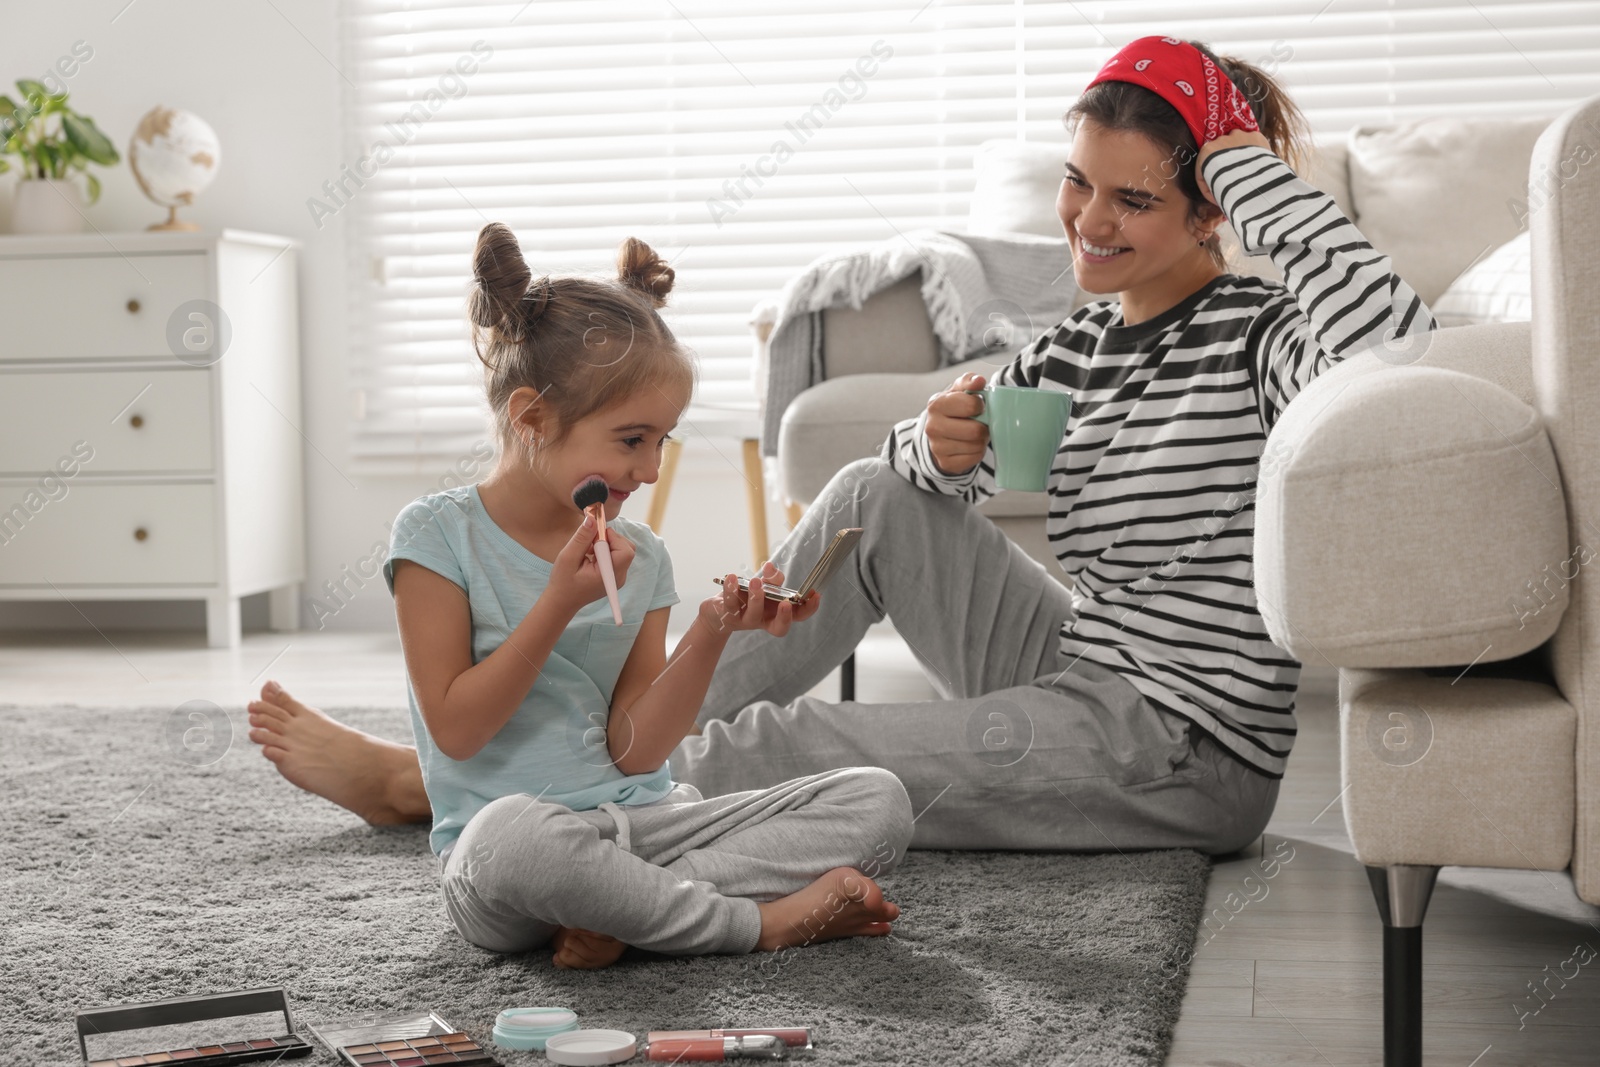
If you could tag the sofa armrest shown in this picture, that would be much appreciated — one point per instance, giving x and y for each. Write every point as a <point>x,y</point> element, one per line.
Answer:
<point>1498,352</point>
<point>1409,516</point>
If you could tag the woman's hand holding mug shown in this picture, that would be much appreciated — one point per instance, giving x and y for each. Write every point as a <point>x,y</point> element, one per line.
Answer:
<point>956,439</point>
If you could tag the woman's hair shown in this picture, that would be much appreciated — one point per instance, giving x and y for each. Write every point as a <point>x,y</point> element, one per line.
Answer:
<point>582,343</point>
<point>1119,105</point>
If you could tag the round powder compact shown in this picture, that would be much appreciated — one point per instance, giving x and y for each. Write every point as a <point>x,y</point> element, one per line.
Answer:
<point>530,1028</point>
<point>582,1048</point>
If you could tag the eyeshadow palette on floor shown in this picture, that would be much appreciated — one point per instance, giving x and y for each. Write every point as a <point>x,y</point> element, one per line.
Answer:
<point>417,1052</point>
<point>400,1039</point>
<point>207,1009</point>
<point>207,1055</point>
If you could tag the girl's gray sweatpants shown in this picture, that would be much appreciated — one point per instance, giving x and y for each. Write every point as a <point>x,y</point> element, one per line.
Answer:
<point>680,876</point>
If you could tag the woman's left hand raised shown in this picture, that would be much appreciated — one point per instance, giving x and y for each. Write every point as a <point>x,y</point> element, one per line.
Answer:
<point>735,609</point>
<point>1235,139</point>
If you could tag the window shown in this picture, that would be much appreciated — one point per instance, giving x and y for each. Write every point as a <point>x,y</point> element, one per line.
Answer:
<point>744,140</point>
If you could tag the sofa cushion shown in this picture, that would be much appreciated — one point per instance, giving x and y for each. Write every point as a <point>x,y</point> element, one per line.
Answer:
<point>1015,186</point>
<point>1409,516</point>
<point>1434,194</point>
<point>1014,191</point>
<point>1497,288</point>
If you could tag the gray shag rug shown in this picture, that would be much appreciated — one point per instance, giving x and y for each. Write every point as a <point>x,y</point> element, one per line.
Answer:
<point>154,853</point>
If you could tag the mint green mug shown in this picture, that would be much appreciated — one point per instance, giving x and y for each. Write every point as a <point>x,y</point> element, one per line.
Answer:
<point>1026,426</point>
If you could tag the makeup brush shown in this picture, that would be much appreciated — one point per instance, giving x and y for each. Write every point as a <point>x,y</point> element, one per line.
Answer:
<point>591,495</point>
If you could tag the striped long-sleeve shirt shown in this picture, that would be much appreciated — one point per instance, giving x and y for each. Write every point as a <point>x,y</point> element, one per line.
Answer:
<point>1152,493</point>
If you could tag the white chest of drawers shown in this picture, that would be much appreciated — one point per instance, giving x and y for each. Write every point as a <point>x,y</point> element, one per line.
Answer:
<point>150,443</point>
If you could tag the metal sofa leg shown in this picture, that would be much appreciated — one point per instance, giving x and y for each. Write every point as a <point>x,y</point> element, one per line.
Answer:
<point>1402,891</point>
<point>847,678</point>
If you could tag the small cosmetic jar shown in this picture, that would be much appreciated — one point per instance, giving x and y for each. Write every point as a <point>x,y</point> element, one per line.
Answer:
<point>526,1028</point>
<point>591,1048</point>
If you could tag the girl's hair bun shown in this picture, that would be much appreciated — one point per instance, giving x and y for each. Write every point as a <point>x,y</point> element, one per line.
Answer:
<point>499,299</point>
<point>638,267</point>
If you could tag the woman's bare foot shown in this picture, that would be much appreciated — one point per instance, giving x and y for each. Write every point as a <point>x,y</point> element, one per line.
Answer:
<point>584,948</point>
<point>842,903</point>
<point>377,779</point>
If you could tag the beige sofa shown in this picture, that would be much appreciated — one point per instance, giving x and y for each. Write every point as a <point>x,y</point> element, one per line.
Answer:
<point>1426,530</point>
<point>1431,535</point>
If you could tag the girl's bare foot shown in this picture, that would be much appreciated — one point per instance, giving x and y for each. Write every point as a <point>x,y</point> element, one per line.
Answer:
<point>377,779</point>
<point>842,903</point>
<point>584,948</point>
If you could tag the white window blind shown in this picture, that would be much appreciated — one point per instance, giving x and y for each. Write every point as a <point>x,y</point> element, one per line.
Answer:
<point>744,140</point>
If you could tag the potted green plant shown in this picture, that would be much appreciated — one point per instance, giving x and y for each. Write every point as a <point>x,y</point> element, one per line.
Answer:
<point>47,201</point>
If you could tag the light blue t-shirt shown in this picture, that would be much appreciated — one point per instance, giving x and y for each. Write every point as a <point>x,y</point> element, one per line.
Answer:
<point>554,745</point>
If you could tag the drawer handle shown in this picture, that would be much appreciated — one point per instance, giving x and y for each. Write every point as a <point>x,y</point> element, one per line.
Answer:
<point>140,534</point>
<point>136,421</point>
<point>133,307</point>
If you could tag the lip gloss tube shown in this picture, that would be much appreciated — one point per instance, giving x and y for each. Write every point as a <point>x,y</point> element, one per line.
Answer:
<point>699,1049</point>
<point>792,1036</point>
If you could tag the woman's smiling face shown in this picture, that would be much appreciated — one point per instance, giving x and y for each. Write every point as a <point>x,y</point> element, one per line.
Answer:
<point>1125,217</point>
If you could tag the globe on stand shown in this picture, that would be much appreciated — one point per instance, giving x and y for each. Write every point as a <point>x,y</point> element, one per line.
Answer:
<point>174,155</point>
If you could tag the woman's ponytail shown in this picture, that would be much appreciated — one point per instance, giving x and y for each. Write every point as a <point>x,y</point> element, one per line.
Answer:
<point>1280,120</point>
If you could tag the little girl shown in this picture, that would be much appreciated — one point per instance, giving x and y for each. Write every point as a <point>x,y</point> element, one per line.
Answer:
<point>542,726</point>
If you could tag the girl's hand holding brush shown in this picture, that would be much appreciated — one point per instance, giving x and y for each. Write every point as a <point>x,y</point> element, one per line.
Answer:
<point>735,609</point>
<point>576,580</point>
<point>590,498</point>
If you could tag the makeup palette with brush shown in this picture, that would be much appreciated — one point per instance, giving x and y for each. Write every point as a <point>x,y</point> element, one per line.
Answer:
<point>208,1044</point>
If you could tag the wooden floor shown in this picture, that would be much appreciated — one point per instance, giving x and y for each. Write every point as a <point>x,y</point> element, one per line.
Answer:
<point>1288,969</point>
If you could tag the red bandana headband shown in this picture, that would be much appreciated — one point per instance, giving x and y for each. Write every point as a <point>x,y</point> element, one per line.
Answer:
<point>1186,78</point>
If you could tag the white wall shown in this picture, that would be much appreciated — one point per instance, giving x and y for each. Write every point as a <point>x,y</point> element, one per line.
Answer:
<point>264,76</point>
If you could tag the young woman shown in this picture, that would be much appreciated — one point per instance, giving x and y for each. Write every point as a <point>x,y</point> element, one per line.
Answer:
<point>542,724</point>
<point>1143,705</point>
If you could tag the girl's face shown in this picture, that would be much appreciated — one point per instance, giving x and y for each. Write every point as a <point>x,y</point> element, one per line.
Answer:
<point>1126,219</point>
<point>624,445</point>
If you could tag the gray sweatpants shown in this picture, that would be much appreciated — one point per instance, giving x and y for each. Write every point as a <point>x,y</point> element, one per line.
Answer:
<point>1023,750</point>
<point>680,876</point>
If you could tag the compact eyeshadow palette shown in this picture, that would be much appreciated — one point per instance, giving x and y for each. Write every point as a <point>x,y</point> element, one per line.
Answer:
<point>231,1052</point>
<point>416,1052</point>
<point>403,1039</point>
<point>215,1051</point>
